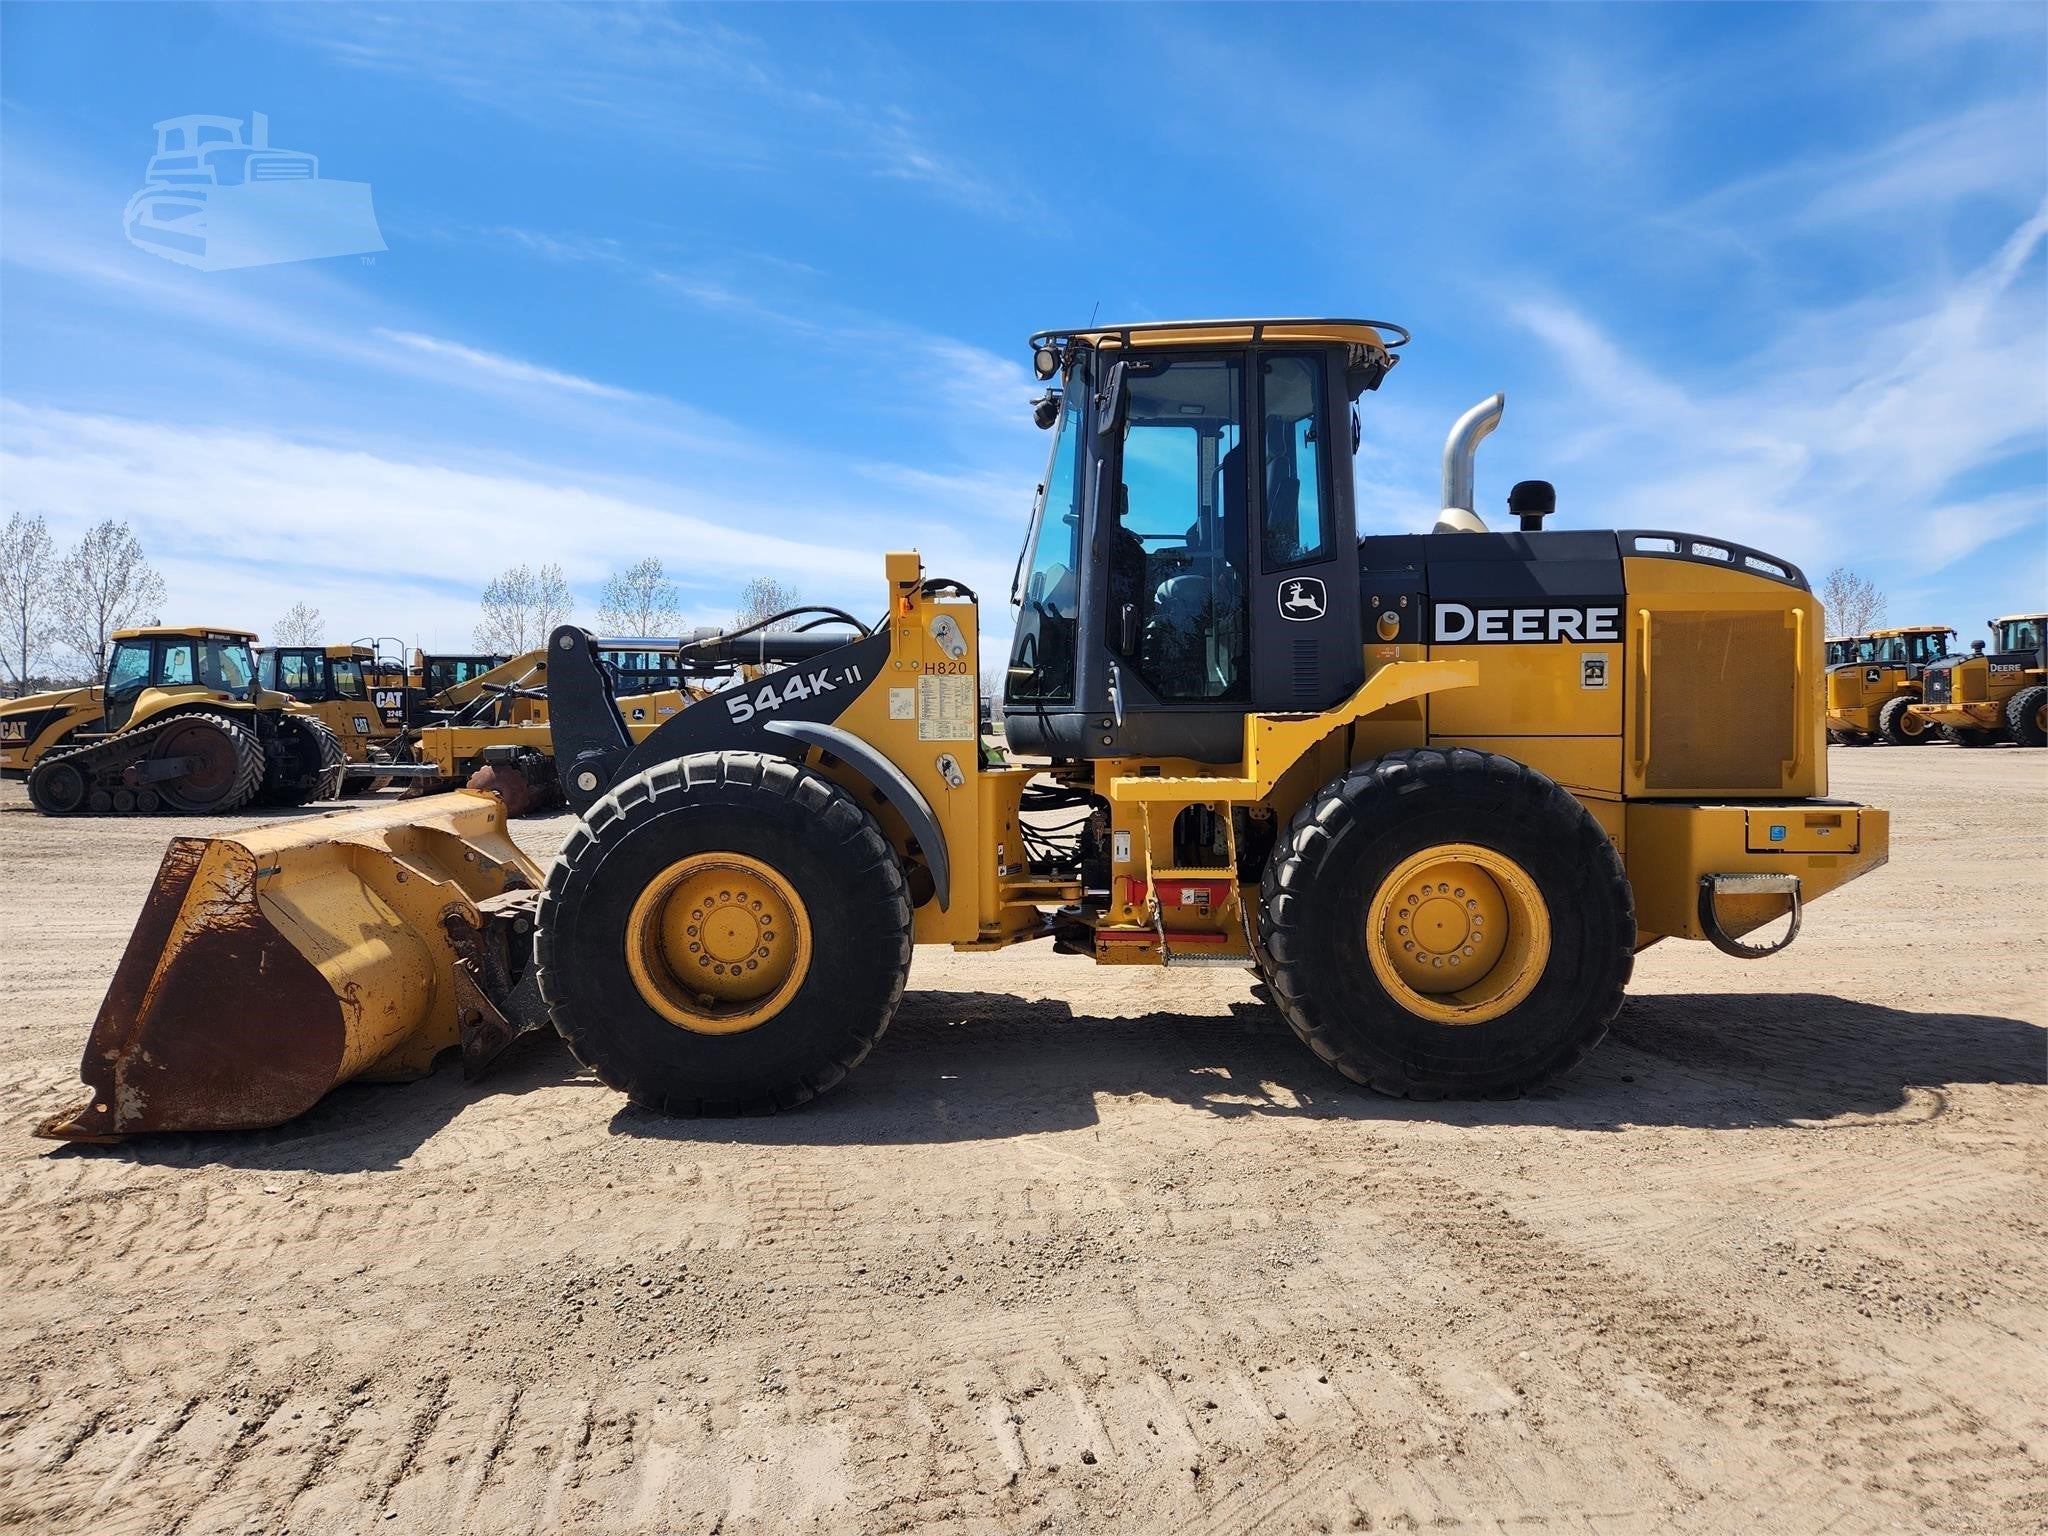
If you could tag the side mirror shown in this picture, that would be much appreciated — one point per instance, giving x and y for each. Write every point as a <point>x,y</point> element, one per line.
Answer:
<point>1045,410</point>
<point>1113,404</point>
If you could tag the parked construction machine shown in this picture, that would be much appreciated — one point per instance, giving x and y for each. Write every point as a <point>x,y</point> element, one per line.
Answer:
<point>1437,789</point>
<point>1872,691</point>
<point>179,724</point>
<point>1982,698</point>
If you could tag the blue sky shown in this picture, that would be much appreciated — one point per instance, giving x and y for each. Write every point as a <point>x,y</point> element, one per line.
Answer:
<point>748,288</point>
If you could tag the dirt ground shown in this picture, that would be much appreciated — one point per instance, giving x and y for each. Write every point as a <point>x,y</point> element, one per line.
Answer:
<point>1078,1250</point>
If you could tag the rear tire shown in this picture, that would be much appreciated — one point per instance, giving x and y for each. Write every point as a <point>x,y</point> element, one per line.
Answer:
<point>1547,990</point>
<point>1899,725</point>
<point>714,837</point>
<point>2026,717</point>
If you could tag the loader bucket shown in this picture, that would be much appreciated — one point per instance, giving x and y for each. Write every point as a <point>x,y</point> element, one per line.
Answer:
<point>271,965</point>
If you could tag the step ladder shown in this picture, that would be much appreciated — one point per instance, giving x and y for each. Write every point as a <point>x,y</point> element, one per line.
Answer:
<point>1225,953</point>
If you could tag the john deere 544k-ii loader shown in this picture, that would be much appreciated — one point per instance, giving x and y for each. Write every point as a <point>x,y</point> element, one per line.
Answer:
<point>1439,789</point>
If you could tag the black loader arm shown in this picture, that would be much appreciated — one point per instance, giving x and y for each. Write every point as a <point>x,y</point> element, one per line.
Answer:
<point>590,735</point>
<point>822,675</point>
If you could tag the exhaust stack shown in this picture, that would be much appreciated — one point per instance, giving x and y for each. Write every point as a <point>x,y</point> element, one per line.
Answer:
<point>1460,448</point>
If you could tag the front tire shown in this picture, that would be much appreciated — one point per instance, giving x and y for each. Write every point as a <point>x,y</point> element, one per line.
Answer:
<point>1899,725</point>
<point>1447,924</point>
<point>2026,717</point>
<point>725,934</point>
<point>1971,736</point>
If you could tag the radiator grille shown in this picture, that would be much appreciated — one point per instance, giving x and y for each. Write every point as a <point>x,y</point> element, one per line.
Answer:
<point>1722,706</point>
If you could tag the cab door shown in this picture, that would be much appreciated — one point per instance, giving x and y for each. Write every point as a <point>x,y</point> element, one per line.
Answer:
<point>128,673</point>
<point>1306,641</point>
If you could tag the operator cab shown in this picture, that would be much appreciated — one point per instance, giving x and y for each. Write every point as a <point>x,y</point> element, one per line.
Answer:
<point>1912,648</point>
<point>312,674</point>
<point>219,661</point>
<point>1193,551</point>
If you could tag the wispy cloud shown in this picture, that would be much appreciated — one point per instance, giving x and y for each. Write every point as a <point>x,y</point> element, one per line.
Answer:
<point>682,77</point>
<point>498,366</point>
<point>1881,423</point>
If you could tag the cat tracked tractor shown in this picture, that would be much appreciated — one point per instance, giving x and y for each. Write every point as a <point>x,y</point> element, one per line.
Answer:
<point>1437,789</point>
<point>179,725</point>
<point>1871,692</point>
<point>1980,699</point>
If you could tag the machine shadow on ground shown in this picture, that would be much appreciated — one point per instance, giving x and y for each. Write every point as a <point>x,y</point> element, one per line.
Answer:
<point>973,1066</point>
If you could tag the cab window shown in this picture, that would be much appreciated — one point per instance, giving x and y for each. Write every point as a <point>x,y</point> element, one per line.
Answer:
<point>348,679</point>
<point>1296,473</point>
<point>298,673</point>
<point>175,669</point>
<point>129,669</point>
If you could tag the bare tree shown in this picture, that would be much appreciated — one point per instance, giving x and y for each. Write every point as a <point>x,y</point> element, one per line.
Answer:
<point>28,591</point>
<point>1853,602</point>
<point>300,626</point>
<point>762,596</point>
<point>639,601</point>
<point>106,583</point>
<point>521,606</point>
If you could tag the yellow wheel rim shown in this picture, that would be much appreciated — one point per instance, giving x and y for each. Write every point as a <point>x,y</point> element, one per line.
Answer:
<point>1458,934</point>
<point>718,943</point>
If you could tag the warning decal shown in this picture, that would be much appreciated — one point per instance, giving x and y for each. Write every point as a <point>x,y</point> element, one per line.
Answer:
<point>945,709</point>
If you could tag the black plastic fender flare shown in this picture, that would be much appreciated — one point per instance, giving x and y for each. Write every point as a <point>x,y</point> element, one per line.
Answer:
<point>895,787</point>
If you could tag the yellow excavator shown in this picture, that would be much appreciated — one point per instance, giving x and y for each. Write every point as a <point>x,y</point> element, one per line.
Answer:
<point>180,723</point>
<point>1437,789</point>
<point>1872,690</point>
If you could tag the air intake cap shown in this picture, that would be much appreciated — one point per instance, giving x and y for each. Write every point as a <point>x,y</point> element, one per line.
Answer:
<point>1532,501</point>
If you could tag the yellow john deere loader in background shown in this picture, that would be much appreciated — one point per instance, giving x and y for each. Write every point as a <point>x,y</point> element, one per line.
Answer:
<point>1872,691</point>
<point>180,724</point>
<point>1979,699</point>
<point>1439,789</point>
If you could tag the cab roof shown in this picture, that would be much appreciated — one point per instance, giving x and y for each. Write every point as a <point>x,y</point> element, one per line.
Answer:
<point>187,631</point>
<point>1181,333</point>
<point>1912,629</point>
<point>2023,618</point>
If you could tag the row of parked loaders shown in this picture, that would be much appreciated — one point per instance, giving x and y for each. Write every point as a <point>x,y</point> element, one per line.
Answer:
<point>1904,686</point>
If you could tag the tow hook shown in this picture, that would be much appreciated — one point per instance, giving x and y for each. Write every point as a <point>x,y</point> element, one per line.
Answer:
<point>1714,887</point>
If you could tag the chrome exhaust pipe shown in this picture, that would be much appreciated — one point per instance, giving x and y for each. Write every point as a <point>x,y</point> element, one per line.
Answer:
<point>1460,449</point>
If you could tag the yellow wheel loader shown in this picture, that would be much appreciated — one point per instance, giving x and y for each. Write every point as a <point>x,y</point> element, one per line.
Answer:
<point>1438,789</point>
<point>1871,693</point>
<point>1981,699</point>
<point>180,724</point>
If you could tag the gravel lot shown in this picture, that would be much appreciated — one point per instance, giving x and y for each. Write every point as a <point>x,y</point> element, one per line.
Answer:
<point>1081,1249</point>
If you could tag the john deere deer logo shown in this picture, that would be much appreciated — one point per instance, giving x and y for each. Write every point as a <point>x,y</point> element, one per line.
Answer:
<point>1303,597</point>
